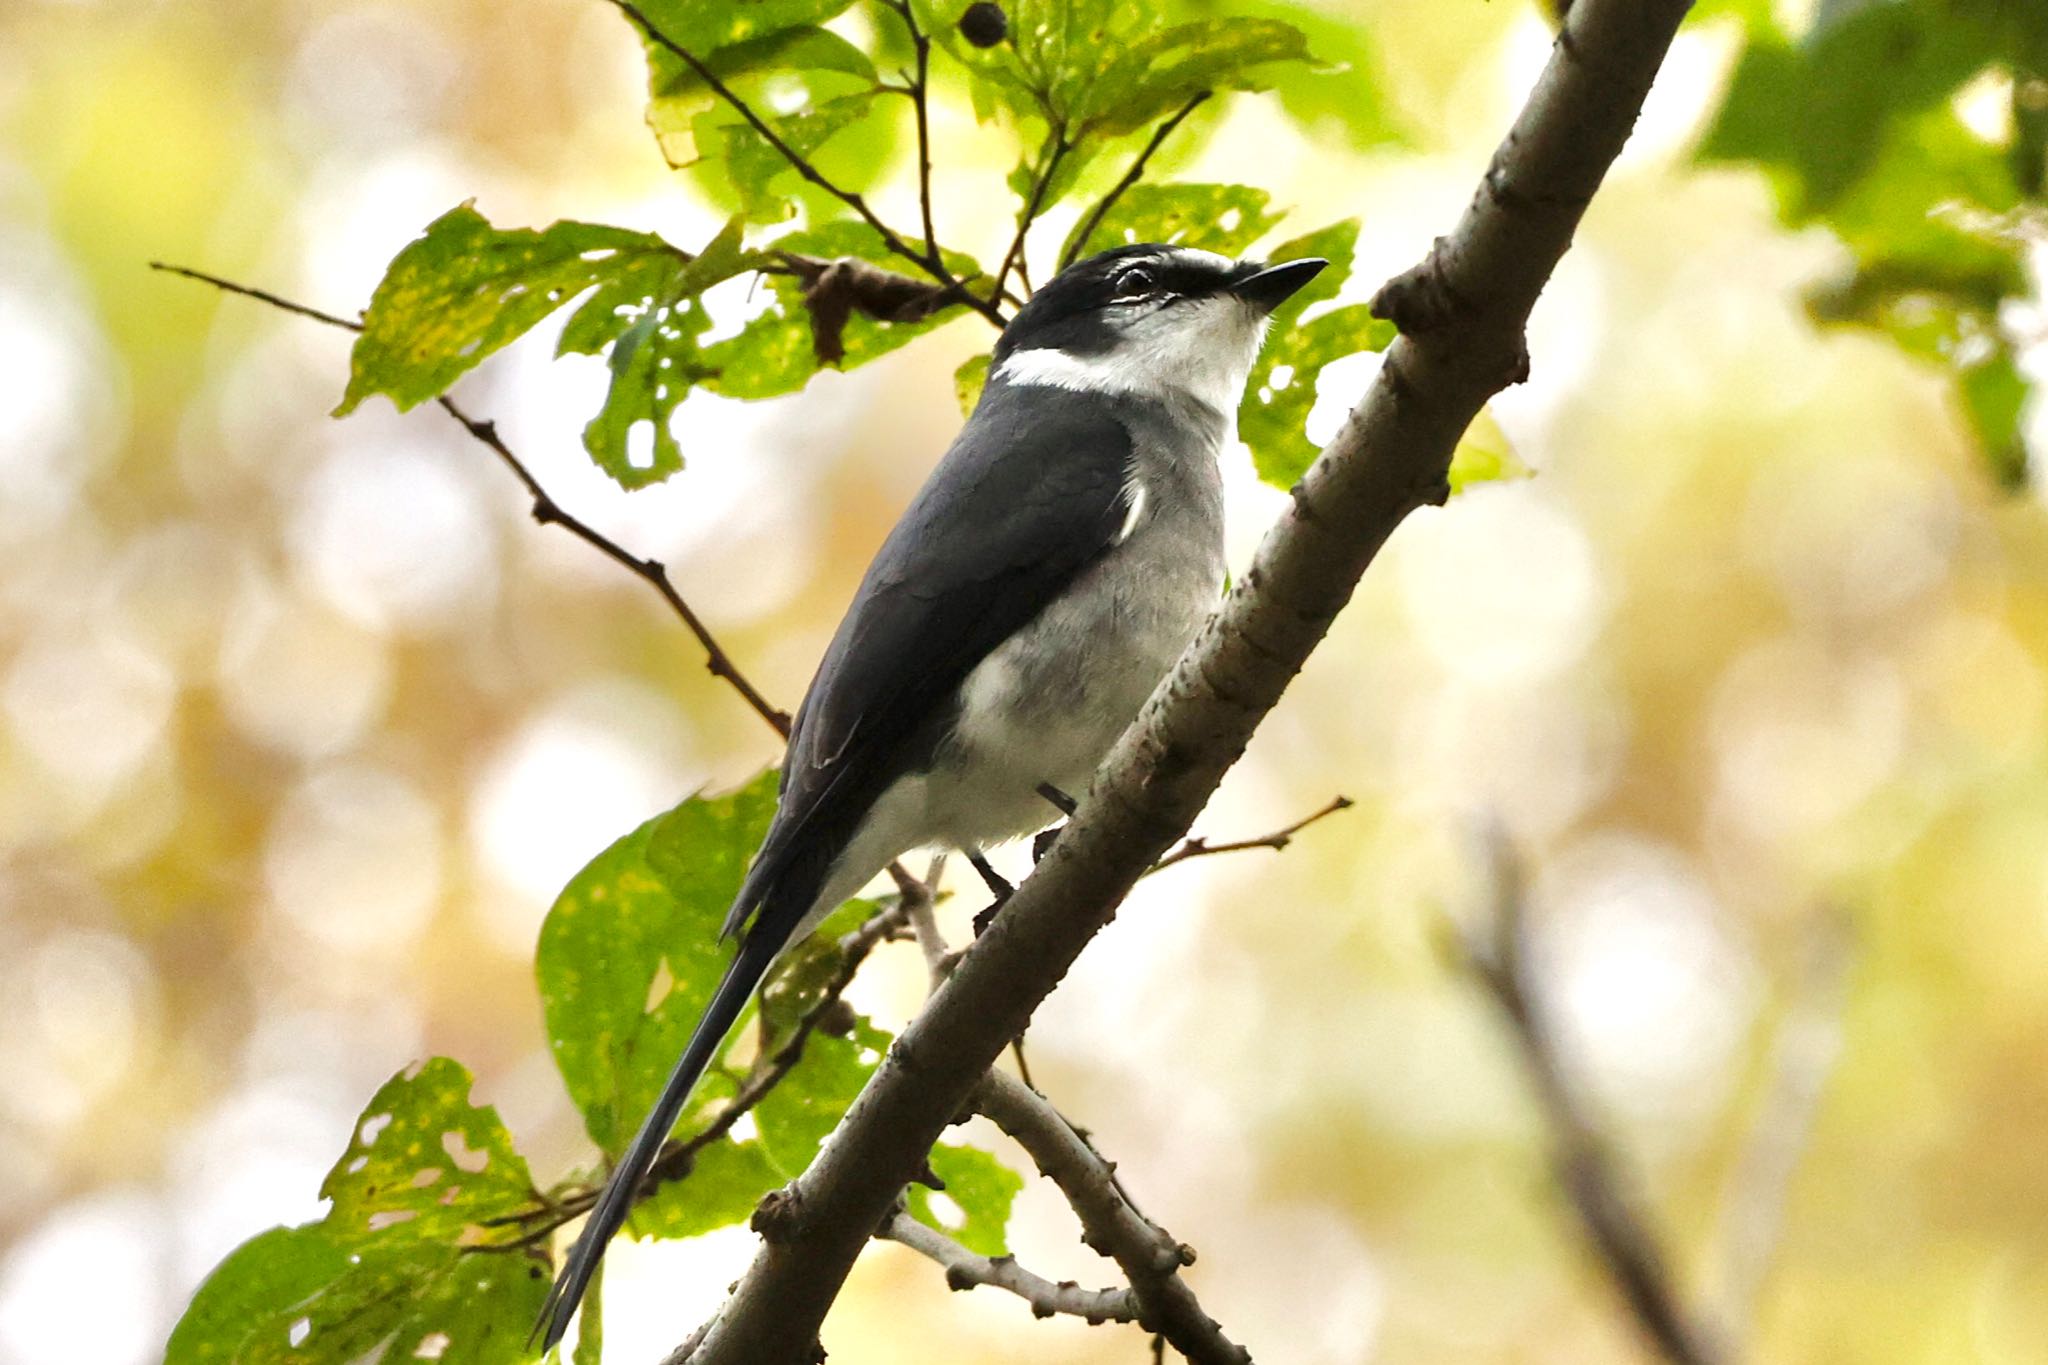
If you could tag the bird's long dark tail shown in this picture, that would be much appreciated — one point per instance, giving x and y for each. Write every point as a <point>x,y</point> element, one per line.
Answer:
<point>757,952</point>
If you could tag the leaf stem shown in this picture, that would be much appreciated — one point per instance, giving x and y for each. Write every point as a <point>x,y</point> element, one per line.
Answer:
<point>919,91</point>
<point>1056,148</point>
<point>1131,177</point>
<point>929,260</point>
<point>546,510</point>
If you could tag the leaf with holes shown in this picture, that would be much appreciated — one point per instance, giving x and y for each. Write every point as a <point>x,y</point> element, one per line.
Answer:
<point>979,1187</point>
<point>1273,417</point>
<point>807,83</point>
<point>464,289</point>
<point>426,1161</point>
<point>294,1295</point>
<point>630,953</point>
<point>1222,218</point>
<point>414,1259</point>
<point>652,328</point>
<point>260,1280</point>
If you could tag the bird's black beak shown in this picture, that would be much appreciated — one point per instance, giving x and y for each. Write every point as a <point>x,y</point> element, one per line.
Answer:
<point>1267,289</point>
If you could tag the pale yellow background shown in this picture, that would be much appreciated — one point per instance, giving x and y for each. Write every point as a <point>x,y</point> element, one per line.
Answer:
<point>302,723</point>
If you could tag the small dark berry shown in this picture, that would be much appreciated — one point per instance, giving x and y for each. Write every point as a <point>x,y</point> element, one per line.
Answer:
<point>984,24</point>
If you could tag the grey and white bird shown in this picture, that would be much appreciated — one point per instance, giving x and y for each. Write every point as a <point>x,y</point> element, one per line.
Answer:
<point>1044,579</point>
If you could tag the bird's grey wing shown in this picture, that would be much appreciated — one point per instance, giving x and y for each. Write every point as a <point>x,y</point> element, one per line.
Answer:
<point>1031,493</point>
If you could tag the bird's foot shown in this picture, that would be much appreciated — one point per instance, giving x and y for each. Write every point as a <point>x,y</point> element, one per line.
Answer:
<point>988,916</point>
<point>1042,842</point>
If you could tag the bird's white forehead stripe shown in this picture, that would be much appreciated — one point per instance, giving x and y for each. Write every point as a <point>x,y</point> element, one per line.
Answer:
<point>1196,256</point>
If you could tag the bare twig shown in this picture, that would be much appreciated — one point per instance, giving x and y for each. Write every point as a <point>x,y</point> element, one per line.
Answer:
<point>1110,1222</point>
<point>968,1269</point>
<point>1054,152</point>
<point>546,510</point>
<point>1278,839</point>
<point>1496,954</point>
<point>1802,1057</point>
<point>929,260</point>
<point>919,90</point>
<point>1131,177</point>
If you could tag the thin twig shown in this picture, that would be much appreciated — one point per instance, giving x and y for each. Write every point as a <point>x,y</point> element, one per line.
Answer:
<point>930,261</point>
<point>1056,149</point>
<point>261,295</point>
<point>969,1269</point>
<point>920,90</point>
<point>1496,954</point>
<point>546,510</point>
<point>1278,839</point>
<point>1131,177</point>
<point>1111,1224</point>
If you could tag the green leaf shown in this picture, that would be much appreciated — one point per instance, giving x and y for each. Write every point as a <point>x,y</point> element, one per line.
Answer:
<point>1343,94</point>
<point>654,357</point>
<point>1994,396</point>
<point>774,354</point>
<point>630,953</point>
<point>1222,218</point>
<point>464,289</point>
<point>980,1187</point>
<point>725,1184</point>
<point>424,1159</point>
<point>395,1268</point>
<point>807,83</point>
<point>968,382</point>
<point>259,1280</point>
<point>1816,114</point>
<point>797,1115</point>
<point>1273,417</point>
<point>417,1301</point>
<point>1097,66</point>
<point>705,28</point>
<point>756,166</point>
<point>1151,78</point>
<point>1484,456</point>
<point>628,959</point>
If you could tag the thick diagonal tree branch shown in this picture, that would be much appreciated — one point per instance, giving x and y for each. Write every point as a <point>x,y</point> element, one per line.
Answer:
<point>1462,313</point>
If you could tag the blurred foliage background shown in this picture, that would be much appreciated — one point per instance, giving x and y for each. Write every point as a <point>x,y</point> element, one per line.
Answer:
<point>303,724</point>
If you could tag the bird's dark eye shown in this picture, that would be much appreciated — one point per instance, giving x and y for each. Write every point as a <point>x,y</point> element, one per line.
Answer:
<point>1133,281</point>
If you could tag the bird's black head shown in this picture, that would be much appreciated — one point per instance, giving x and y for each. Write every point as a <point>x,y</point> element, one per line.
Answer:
<point>1162,320</point>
